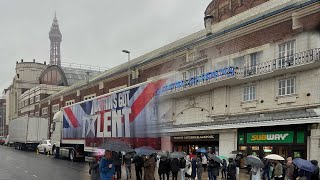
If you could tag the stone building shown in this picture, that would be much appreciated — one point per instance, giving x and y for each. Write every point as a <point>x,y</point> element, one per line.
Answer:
<point>249,81</point>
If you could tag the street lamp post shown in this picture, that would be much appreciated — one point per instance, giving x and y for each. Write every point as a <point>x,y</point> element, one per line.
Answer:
<point>129,73</point>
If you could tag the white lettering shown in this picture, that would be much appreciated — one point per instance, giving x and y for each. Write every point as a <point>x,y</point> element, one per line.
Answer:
<point>283,136</point>
<point>126,113</point>
<point>277,137</point>
<point>270,137</point>
<point>116,124</point>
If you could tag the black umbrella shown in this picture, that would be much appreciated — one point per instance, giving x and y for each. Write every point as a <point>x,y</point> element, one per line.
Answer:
<point>145,150</point>
<point>214,157</point>
<point>254,161</point>
<point>177,155</point>
<point>116,146</point>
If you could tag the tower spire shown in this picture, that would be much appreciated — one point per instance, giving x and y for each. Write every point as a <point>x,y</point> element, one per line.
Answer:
<point>55,41</point>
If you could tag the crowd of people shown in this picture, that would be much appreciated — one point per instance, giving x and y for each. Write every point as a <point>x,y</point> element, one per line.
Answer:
<point>278,170</point>
<point>188,167</point>
<point>191,167</point>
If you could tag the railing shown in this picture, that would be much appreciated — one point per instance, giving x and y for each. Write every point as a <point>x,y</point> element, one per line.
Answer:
<point>83,67</point>
<point>294,60</point>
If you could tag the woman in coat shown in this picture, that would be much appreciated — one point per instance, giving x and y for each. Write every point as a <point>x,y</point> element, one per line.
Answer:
<point>106,166</point>
<point>94,170</point>
<point>149,168</point>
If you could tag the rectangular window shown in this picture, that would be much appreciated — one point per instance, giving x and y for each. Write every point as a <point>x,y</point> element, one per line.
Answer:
<point>249,93</point>
<point>286,86</point>
<point>184,75</point>
<point>26,102</point>
<point>68,103</point>
<point>201,70</point>
<point>37,98</point>
<point>193,73</point>
<point>45,111</point>
<point>286,52</point>
<point>91,96</point>
<point>32,100</point>
<point>37,114</point>
<point>55,108</point>
<point>31,114</point>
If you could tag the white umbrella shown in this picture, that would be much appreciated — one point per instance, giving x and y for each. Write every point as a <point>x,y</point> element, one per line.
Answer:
<point>275,157</point>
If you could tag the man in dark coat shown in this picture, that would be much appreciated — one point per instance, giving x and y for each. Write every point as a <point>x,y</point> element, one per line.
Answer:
<point>315,175</point>
<point>138,163</point>
<point>117,160</point>
<point>194,168</point>
<point>213,169</point>
<point>231,170</point>
<point>163,168</point>
<point>175,167</point>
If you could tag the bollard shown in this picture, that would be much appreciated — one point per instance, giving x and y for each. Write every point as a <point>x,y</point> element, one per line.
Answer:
<point>48,154</point>
<point>37,151</point>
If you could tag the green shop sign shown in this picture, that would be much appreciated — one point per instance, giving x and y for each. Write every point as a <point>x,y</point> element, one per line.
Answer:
<point>270,137</point>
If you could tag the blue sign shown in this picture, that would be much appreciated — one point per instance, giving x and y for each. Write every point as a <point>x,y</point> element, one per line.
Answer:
<point>193,81</point>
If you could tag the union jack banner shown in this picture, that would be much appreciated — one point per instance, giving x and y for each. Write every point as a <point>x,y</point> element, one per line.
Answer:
<point>131,115</point>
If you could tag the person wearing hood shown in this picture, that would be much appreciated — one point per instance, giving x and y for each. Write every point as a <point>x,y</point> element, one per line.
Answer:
<point>213,169</point>
<point>315,175</point>
<point>163,168</point>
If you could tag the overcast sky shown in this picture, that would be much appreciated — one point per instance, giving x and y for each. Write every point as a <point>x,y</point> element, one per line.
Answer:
<point>93,31</point>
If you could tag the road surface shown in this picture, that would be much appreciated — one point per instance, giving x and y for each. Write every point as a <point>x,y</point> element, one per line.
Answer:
<point>27,165</point>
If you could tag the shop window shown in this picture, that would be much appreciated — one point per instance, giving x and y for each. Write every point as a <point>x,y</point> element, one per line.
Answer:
<point>249,93</point>
<point>255,148</point>
<point>287,86</point>
<point>243,148</point>
<point>267,149</point>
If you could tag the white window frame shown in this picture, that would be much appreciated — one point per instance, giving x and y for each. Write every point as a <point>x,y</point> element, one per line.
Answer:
<point>31,100</point>
<point>287,86</point>
<point>249,93</point>
<point>184,75</point>
<point>37,99</point>
<point>91,96</point>
<point>286,51</point>
<point>36,114</point>
<point>31,114</point>
<point>45,111</point>
<point>26,102</point>
<point>70,102</point>
<point>202,70</point>
<point>55,108</point>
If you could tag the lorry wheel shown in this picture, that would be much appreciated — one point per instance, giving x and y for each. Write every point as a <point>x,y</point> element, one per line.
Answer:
<point>71,155</point>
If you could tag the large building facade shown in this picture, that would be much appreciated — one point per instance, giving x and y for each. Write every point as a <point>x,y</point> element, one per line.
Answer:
<point>249,81</point>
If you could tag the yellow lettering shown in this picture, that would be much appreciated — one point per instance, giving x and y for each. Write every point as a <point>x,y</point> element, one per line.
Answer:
<point>253,137</point>
<point>263,137</point>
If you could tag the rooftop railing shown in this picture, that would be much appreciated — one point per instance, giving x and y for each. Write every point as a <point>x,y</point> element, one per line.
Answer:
<point>83,67</point>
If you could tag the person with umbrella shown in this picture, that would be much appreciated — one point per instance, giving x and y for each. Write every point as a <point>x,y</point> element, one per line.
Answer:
<point>106,166</point>
<point>175,167</point>
<point>231,170</point>
<point>127,163</point>
<point>163,168</point>
<point>204,161</point>
<point>138,163</point>
<point>278,171</point>
<point>266,169</point>
<point>94,170</point>
<point>289,169</point>
<point>315,175</point>
<point>182,163</point>
<point>149,167</point>
<point>117,161</point>
<point>213,169</point>
<point>194,168</point>
<point>199,168</point>
<point>224,169</point>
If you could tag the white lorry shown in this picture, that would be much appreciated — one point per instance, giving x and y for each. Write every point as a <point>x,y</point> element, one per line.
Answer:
<point>27,132</point>
<point>126,115</point>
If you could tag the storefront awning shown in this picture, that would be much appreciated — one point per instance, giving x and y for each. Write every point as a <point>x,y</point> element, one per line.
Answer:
<point>244,125</point>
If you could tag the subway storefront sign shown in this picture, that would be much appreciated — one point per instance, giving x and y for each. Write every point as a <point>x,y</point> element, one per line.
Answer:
<point>270,137</point>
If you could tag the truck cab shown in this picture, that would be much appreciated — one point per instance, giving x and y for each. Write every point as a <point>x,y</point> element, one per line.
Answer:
<point>56,131</point>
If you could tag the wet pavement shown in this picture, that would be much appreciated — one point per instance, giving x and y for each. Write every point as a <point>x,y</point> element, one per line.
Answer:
<point>27,165</point>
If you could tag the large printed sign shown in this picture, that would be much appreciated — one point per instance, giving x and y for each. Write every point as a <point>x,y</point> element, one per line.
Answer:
<point>196,80</point>
<point>129,113</point>
<point>270,137</point>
